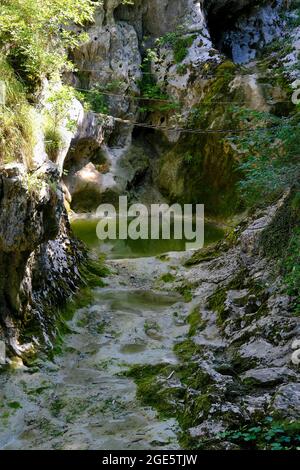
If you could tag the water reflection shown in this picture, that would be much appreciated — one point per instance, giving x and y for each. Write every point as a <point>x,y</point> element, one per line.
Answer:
<point>85,230</point>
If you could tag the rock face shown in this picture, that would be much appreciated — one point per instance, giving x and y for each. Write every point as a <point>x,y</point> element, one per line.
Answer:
<point>257,328</point>
<point>159,131</point>
<point>38,259</point>
<point>240,29</point>
<point>236,368</point>
<point>186,68</point>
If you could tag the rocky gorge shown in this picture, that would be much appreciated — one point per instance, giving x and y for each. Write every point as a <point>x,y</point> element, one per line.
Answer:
<point>190,350</point>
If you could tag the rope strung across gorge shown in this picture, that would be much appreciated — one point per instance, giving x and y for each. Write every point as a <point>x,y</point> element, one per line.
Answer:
<point>158,100</point>
<point>205,76</point>
<point>195,131</point>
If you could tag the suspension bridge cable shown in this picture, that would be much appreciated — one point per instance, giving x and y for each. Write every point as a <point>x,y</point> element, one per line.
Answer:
<point>159,100</point>
<point>193,131</point>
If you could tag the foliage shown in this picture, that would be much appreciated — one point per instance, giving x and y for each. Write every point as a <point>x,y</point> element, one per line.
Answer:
<point>268,435</point>
<point>271,165</point>
<point>188,158</point>
<point>211,107</point>
<point>34,35</point>
<point>94,100</point>
<point>53,142</point>
<point>151,90</point>
<point>16,120</point>
<point>168,277</point>
<point>59,103</point>
<point>291,266</point>
<point>294,20</point>
<point>182,69</point>
<point>34,38</point>
<point>180,43</point>
<point>56,114</point>
<point>271,155</point>
<point>34,183</point>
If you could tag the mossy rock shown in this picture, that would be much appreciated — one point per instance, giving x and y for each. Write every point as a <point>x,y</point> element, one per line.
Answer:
<point>205,254</point>
<point>186,291</point>
<point>195,321</point>
<point>203,167</point>
<point>153,388</point>
<point>167,278</point>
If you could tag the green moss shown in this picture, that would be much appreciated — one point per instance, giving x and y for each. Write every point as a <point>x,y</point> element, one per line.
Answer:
<point>82,323</point>
<point>100,328</point>
<point>169,277</point>
<point>187,350</point>
<point>15,405</point>
<point>81,299</point>
<point>181,47</point>
<point>151,325</point>
<point>92,272</point>
<point>152,389</point>
<point>182,69</point>
<point>56,406</point>
<point>291,268</point>
<point>195,321</point>
<point>183,391</point>
<point>38,390</point>
<point>186,291</point>
<point>172,400</point>
<point>205,254</point>
<point>179,42</point>
<point>281,241</point>
<point>275,238</point>
<point>216,303</point>
<point>201,404</point>
<point>210,176</point>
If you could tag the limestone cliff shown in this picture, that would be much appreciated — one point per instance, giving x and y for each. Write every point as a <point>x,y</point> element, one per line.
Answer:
<point>38,258</point>
<point>160,84</point>
<point>183,57</point>
<point>137,57</point>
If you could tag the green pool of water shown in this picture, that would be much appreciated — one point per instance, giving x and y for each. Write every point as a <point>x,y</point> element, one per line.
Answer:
<point>85,230</point>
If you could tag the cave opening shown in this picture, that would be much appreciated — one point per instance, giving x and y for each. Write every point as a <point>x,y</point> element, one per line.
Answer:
<point>240,29</point>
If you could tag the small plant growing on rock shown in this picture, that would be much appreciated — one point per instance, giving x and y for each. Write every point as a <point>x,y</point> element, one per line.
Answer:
<point>179,42</point>
<point>268,435</point>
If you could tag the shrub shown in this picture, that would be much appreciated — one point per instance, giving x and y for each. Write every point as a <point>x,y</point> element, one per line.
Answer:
<point>271,159</point>
<point>180,43</point>
<point>16,120</point>
<point>34,36</point>
<point>53,142</point>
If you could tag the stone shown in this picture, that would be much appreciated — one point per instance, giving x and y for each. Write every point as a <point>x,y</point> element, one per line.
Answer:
<point>34,240</point>
<point>286,402</point>
<point>207,429</point>
<point>268,376</point>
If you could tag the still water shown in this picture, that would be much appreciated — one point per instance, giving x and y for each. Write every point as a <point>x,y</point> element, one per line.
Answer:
<point>85,230</point>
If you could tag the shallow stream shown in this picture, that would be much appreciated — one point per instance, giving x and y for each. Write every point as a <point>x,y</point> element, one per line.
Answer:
<point>82,399</point>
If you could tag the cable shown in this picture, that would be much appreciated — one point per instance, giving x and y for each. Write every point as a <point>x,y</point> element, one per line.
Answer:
<point>137,98</point>
<point>205,77</point>
<point>124,96</point>
<point>192,131</point>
